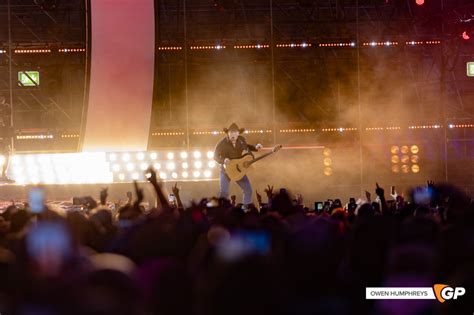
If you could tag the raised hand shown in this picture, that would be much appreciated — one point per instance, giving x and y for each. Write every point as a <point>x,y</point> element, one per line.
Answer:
<point>368,196</point>
<point>151,175</point>
<point>259,197</point>
<point>269,191</point>
<point>175,189</point>
<point>430,183</point>
<point>103,195</point>
<point>379,191</point>
<point>138,192</point>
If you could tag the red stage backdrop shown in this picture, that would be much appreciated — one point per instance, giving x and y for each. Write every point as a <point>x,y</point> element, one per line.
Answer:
<point>121,75</point>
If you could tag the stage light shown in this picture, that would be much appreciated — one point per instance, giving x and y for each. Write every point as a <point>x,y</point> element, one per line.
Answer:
<point>395,168</point>
<point>196,173</point>
<point>404,149</point>
<point>465,36</point>
<point>210,154</point>
<point>184,174</point>
<point>414,149</point>
<point>207,173</point>
<point>185,165</point>
<point>170,166</point>
<point>126,157</point>
<point>395,159</point>
<point>211,164</point>
<point>116,167</point>
<point>327,171</point>
<point>135,176</point>
<point>405,169</point>
<point>184,155</point>
<point>174,175</point>
<point>405,159</point>
<point>197,154</point>
<point>326,152</point>
<point>140,156</point>
<point>121,176</point>
<point>198,164</point>
<point>415,168</point>
<point>153,155</point>
<point>327,161</point>
<point>157,166</point>
<point>420,2</point>
<point>130,167</point>
<point>170,155</point>
<point>2,160</point>
<point>415,159</point>
<point>163,175</point>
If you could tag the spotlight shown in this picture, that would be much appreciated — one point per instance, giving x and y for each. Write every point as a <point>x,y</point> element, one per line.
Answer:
<point>163,175</point>
<point>170,155</point>
<point>135,176</point>
<point>113,157</point>
<point>327,161</point>
<point>157,166</point>
<point>130,167</point>
<point>121,176</point>
<point>140,156</point>
<point>184,155</point>
<point>420,2</point>
<point>394,149</point>
<point>414,149</point>
<point>126,157</point>
<point>197,154</point>
<point>395,168</point>
<point>143,166</point>
<point>211,164</point>
<point>415,168</point>
<point>153,155</point>
<point>196,173</point>
<point>405,159</point>
<point>210,154</point>
<point>174,175</point>
<point>327,171</point>
<point>405,169</point>
<point>185,174</point>
<point>207,173</point>
<point>404,149</point>
<point>170,166</point>
<point>116,167</point>
<point>185,165</point>
<point>198,164</point>
<point>395,159</point>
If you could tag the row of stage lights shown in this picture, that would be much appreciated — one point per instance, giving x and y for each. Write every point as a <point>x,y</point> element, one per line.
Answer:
<point>248,46</point>
<point>262,131</point>
<point>102,167</point>
<point>182,165</point>
<point>304,45</point>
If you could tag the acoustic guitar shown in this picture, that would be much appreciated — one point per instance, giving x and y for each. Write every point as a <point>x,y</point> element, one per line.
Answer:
<point>238,168</point>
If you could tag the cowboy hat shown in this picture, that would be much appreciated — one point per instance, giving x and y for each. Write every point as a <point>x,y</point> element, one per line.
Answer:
<point>234,126</point>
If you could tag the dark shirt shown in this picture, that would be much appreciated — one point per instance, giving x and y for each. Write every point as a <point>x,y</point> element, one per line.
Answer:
<point>224,149</point>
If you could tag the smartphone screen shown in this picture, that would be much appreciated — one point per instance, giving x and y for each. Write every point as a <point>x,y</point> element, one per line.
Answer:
<point>36,199</point>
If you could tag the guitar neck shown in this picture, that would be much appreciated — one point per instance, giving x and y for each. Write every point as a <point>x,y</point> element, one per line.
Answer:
<point>261,157</point>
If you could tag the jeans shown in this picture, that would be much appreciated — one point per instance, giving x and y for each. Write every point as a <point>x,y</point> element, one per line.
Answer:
<point>244,184</point>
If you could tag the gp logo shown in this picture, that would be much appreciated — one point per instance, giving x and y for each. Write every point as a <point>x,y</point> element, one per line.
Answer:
<point>444,292</point>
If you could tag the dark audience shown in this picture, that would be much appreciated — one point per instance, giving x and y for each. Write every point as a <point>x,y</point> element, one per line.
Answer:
<point>217,257</point>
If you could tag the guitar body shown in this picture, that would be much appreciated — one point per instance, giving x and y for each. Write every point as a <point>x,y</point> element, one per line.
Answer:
<point>238,168</point>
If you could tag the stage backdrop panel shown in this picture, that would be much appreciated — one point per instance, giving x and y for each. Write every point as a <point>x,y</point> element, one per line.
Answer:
<point>121,75</point>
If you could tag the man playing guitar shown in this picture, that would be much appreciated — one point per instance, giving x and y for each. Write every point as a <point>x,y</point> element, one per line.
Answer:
<point>233,146</point>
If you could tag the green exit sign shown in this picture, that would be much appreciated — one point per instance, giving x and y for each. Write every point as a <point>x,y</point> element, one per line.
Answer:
<point>470,69</point>
<point>28,78</point>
